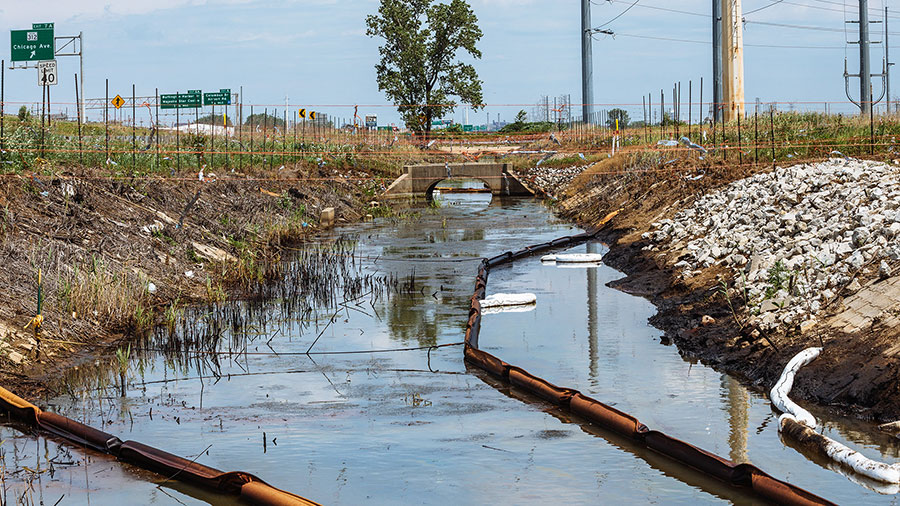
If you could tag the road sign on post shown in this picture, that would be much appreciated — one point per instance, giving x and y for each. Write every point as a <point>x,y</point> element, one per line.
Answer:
<point>222,97</point>
<point>47,73</point>
<point>371,121</point>
<point>302,113</point>
<point>187,100</point>
<point>118,101</point>
<point>32,45</point>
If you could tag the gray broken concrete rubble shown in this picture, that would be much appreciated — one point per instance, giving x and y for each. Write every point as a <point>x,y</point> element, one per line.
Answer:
<point>821,224</point>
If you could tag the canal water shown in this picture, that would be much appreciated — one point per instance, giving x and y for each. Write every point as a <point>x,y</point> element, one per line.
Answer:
<point>419,426</point>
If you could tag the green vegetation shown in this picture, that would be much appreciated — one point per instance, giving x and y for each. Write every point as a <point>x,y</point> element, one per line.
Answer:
<point>617,114</point>
<point>263,120</point>
<point>418,67</point>
<point>58,147</point>
<point>216,120</point>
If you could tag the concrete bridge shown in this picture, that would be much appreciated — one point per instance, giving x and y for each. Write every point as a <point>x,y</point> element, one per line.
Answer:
<point>420,180</point>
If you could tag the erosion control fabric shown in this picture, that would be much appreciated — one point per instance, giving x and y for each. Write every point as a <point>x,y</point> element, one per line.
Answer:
<point>744,476</point>
<point>247,486</point>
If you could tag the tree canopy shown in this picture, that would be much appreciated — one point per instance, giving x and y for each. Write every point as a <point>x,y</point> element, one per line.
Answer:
<point>264,119</point>
<point>419,70</point>
<point>617,114</point>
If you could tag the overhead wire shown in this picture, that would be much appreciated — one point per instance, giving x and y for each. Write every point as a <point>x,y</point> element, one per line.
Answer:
<point>620,14</point>
<point>773,4</point>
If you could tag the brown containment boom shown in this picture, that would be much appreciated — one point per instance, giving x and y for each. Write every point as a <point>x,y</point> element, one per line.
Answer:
<point>740,476</point>
<point>245,485</point>
<point>256,491</point>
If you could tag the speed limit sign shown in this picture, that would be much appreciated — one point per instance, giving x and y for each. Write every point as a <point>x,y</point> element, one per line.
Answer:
<point>47,73</point>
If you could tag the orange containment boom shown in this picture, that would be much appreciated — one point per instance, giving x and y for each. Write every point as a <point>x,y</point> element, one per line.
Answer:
<point>246,485</point>
<point>742,476</point>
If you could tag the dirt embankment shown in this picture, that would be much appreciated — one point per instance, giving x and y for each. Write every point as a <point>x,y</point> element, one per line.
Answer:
<point>120,255</point>
<point>707,312</point>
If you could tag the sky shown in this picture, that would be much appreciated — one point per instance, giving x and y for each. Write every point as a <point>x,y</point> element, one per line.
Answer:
<point>315,52</point>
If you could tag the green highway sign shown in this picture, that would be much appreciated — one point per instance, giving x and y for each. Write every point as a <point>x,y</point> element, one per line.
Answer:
<point>221,98</point>
<point>194,92</point>
<point>41,26</point>
<point>180,100</point>
<point>32,45</point>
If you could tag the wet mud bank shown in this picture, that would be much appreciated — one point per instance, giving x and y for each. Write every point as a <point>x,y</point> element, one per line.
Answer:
<point>706,316</point>
<point>106,259</point>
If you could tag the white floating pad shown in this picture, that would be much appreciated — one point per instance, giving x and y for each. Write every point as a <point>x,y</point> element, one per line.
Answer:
<point>522,308</point>
<point>508,299</point>
<point>573,258</point>
<point>580,265</point>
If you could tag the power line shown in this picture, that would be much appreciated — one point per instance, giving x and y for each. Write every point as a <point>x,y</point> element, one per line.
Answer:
<point>784,2</point>
<point>620,14</point>
<point>773,4</point>
<point>706,42</point>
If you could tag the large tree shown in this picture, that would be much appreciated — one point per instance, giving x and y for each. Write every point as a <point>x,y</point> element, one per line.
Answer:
<point>419,70</point>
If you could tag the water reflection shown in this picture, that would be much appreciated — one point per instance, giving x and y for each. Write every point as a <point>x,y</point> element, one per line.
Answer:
<point>417,427</point>
<point>738,419</point>
<point>592,317</point>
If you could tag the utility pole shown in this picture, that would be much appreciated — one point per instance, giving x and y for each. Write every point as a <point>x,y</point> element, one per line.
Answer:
<point>866,100</point>
<point>733,59</point>
<point>887,62</point>
<point>587,62</point>
<point>717,59</point>
<point>865,66</point>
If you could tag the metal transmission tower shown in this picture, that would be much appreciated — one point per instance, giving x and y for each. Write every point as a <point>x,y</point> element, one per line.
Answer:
<point>587,62</point>
<point>865,66</point>
<point>717,59</point>
<point>732,59</point>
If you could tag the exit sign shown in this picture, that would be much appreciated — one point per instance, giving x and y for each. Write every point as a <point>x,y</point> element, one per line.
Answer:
<point>32,45</point>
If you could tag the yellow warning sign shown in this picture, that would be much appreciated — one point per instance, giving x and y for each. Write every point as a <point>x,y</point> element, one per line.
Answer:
<point>118,101</point>
<point>312,114</point>
<point>302,113</point>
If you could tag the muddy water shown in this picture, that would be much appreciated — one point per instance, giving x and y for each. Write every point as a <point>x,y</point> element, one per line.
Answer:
<point>419,426</point>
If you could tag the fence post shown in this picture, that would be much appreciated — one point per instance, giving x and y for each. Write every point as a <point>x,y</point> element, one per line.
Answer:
<point>106,119</point>
<point>871,127</point>
<point>178,129</point>
<point>155,129</point>
<point>78,111</point>
<point>772,131</point>
<point>756,137</point>
<point>724,141</point>
<point>2,104</point>
<point>133,131</point>
<point>265,132</point>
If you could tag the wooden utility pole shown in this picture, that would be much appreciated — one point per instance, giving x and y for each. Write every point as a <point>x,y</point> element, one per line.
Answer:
<point>732,59</point>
